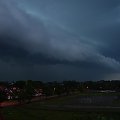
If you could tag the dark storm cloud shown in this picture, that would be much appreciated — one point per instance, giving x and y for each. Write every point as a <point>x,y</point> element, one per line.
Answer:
<point>59,39</point>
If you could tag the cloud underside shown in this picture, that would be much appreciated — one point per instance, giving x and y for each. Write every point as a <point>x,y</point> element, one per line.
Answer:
<point>35,48</point>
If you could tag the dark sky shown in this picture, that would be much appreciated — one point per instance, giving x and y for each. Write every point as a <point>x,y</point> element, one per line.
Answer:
<point>59,39</point>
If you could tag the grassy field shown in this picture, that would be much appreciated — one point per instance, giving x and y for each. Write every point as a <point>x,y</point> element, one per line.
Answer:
<point>35,111</point>
<point>24,113</point>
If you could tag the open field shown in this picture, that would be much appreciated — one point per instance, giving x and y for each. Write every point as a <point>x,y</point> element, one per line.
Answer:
<point>24,113</point>
<point>61,109</point>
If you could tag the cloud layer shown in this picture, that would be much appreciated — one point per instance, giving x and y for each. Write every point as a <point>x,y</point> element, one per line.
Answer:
<point>38,40</point>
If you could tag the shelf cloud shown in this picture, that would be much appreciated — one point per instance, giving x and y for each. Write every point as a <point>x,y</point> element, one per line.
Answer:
<point>39,40</point>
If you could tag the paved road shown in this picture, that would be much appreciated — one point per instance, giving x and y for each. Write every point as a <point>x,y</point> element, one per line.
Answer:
<point>8,103</point>
<point>13,103</point>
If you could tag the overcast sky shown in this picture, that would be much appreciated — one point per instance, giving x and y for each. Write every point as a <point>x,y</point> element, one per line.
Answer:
<point>59,39</point>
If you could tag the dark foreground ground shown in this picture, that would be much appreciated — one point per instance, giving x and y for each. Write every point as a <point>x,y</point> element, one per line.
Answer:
<point>67,108</point>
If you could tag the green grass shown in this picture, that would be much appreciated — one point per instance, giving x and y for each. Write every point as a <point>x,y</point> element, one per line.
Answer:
<point>33,111</point>
<point>24,113</point>
<point>67,99</point>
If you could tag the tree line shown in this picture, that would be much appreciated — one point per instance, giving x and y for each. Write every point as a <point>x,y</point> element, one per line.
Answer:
<point>25,90</point>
